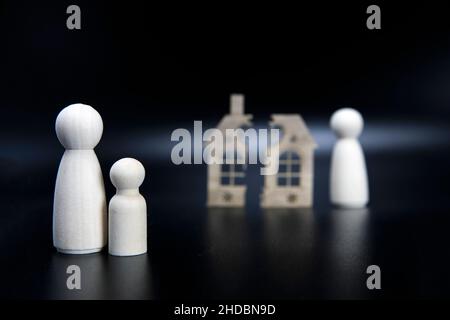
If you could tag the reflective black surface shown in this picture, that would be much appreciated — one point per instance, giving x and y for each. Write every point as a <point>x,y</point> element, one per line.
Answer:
<point>196,252</point>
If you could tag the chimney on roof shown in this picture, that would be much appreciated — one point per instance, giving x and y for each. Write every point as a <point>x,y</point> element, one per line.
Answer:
<point>237,104</point>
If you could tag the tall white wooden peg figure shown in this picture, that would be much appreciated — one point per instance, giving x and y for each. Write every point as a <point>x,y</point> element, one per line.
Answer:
<point>348,175</point>
<point>79,209</point>
<point>127,210</point>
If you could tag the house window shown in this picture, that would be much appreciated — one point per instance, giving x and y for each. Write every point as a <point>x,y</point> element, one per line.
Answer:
<point>232,174</point>
<point>289,170</point>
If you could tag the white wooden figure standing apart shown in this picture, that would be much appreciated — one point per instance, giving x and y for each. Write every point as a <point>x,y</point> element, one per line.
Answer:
<point>79,209</point>
<point>348,176</point>
<point>127,210</point>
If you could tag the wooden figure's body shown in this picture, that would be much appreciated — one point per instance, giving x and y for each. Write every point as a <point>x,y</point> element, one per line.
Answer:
<point>79,211</point>
<point>348,174</point>
<point>127,210</point>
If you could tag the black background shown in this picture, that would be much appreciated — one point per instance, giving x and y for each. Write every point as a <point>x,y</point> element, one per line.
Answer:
<point>184,60</point>
<point>149,69</point>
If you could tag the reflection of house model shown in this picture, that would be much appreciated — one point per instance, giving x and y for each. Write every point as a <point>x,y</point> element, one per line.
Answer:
<point>291,187</point>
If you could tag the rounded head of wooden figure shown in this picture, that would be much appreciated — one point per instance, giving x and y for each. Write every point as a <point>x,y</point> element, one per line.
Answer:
<point>127,173</point>
<point>347,123</point>
<point>79,127</point>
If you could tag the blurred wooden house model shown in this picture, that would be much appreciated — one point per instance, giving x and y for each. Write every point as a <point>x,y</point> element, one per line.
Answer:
<point>291,187</point>
<point>226,184</point>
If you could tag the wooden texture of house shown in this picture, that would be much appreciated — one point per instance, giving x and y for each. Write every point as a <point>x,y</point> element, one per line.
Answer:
<point>292,186</point>
<point>226,182</point>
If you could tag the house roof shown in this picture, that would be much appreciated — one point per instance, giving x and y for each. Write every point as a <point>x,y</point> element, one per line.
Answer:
<point>232,121</point>
<point>236,118</point>
<point>294,126</point>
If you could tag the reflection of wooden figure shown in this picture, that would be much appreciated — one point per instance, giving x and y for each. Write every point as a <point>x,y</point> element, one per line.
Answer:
<point>292,186</point>
<point>226,182</point>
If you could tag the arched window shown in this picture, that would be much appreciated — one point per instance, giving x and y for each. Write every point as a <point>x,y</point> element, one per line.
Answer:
<point>289,170</point>
<point>232,174</point>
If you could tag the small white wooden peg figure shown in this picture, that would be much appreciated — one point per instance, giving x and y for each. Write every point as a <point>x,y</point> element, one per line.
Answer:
<point>348,175</point>
<point>79,209</point>
<point>127,210</point>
